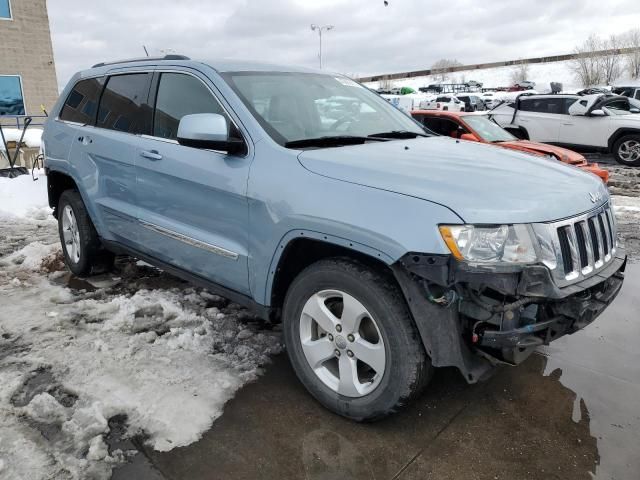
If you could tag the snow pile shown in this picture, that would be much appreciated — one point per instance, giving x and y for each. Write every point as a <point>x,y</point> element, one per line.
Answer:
<point>142,348</point>
<point>32,137</point>
<point>24,197</point>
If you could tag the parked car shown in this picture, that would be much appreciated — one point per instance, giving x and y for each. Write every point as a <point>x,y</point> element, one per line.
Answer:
<point>472,103</point>
<point>606,123</point>
<point>444,103</point>
<point>526,84</point>
<point>384,252</point>
<point>632,91</point>
<point>478,128</point>
<point>474,83</point>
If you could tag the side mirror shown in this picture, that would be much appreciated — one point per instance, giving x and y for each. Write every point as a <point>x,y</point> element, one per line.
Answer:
<point>634,110</point>
<point>469,137</point>
<point>209,131</point>
<point>597,113</point>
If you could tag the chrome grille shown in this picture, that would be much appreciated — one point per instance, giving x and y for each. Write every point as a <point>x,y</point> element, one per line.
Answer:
<point>582,245</point>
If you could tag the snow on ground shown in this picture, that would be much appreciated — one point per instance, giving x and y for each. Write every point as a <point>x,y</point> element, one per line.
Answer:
<point>137,348</point>
<point>541,73</point>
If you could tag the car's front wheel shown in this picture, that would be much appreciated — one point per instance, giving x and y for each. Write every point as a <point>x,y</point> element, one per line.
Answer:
<point>81,246</point>
<point>627,150</point>
<point>352,341</point>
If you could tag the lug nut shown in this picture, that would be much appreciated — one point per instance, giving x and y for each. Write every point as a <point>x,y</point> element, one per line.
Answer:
<point>349,353</point>
<point>338,328</point>
<point>351,338</point>
<point>330,338</point>
<point>337,352</point>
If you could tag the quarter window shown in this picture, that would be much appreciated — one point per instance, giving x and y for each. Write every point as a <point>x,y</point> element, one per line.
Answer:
<point>124,104</point>
<point>11,98</point>
<point>81,103</point>
<point>180,95</point>
<point>5,9</point>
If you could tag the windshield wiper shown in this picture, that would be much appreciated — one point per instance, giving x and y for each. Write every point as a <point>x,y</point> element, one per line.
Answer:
<point>329,141</point>
<point>398,134</point>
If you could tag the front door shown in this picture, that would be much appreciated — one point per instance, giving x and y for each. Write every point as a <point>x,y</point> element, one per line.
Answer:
<point>192,204</point>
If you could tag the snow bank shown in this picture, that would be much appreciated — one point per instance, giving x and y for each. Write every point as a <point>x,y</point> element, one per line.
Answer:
<point>23,197</point>
<point>32,137</point>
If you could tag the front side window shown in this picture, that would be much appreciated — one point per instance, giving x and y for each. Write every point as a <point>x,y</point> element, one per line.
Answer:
<point>179,95</point>
<point>5,9</point>
<point>82,103</point>
<point>543,105</point>
<point>124,104</point>
<point>618,107</point>
<point>11,98</point>
<point>294,106</point>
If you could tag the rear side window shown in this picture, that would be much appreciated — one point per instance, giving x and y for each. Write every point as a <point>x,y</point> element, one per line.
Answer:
<point>180,95</point>
<point>124,106</point>
<point>544,105</point>
<point>82,102</point>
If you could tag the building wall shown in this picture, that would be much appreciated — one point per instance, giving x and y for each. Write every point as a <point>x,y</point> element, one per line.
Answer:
<point>25,50</point>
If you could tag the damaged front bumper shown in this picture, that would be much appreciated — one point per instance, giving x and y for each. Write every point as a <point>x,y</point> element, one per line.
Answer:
<point>474,317</point>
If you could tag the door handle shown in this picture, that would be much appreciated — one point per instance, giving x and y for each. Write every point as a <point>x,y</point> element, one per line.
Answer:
<point>568,124</point>
<point>151,155</point>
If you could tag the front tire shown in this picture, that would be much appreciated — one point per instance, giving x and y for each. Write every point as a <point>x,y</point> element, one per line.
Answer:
<point>81,246</point>
<point>626,150</point>
<point>352,341</point>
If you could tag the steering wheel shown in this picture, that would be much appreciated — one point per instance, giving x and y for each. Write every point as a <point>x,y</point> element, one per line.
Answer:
<point>348,118</point>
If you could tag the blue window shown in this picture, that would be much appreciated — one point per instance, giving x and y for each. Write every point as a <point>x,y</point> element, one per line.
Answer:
<point>11,99</point>
<point>5,9</point>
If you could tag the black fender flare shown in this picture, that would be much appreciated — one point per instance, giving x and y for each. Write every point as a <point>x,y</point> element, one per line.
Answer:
<point>619,133</point>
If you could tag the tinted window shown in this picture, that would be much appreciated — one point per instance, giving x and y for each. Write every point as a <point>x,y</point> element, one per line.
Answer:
<point>180,95</point>
<point>443,126</point>
<point>638,94</point>
<point>82,101</point>
<point>543,105</point>
<point>620,107</point>
<point>11,100</point>
<point>124,104</point>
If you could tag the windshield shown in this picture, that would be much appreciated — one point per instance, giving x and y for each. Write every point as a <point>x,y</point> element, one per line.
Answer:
<point>488,130</point>
<point>298,106</point>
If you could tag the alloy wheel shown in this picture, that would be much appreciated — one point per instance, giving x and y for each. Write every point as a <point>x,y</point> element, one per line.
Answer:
<point>629,151</point>
<point>342,343</point>
<point>71,234</point>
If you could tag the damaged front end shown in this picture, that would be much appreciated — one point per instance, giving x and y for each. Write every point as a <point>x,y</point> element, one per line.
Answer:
<point>474,317</point>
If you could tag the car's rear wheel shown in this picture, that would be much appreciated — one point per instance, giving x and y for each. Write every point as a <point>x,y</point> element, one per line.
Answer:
<point>627,150</point>
<point>81,246</point>
<point>352,341</point>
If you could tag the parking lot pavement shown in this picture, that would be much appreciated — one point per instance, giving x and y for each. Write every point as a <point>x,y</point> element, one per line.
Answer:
<point>570,411</point>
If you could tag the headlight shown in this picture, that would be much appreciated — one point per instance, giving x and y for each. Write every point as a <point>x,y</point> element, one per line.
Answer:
<point>510,244</point>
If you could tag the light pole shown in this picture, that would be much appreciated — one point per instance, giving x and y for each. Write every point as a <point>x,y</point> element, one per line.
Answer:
<point>320,28</point>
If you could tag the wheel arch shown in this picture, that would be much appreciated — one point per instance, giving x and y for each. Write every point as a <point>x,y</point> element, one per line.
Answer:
<point>517,128</point>
<point>301,248</point>
<point>620,132</point>
<point>58,182</point>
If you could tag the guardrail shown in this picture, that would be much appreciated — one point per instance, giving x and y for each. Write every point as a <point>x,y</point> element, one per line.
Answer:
<point>17,121</point>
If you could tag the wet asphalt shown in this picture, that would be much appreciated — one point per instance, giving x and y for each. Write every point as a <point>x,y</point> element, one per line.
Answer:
<point>571,411</point>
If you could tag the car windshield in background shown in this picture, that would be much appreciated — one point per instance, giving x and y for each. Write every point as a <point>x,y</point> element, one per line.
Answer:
<point>488,129</point>
<point>295,108</point>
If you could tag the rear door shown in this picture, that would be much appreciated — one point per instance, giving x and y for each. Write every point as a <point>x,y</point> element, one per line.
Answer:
<point>193,209</point>
<point>104,155</point>
<point>541,117</point>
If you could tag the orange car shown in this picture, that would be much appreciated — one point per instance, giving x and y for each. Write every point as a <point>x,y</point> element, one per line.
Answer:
<point>478,128</point>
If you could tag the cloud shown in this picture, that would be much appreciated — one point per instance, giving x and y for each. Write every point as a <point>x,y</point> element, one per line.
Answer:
<point>368,37</point>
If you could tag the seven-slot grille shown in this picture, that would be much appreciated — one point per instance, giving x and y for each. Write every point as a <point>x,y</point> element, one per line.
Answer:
<point>586,243</point>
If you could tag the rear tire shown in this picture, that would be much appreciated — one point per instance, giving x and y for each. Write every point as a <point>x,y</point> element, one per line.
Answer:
<point>81,246</point>
<point>626,150</point>
<point>383,326</point>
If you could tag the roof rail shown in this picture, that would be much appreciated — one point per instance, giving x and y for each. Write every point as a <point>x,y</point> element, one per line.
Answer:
<point>142,59</point>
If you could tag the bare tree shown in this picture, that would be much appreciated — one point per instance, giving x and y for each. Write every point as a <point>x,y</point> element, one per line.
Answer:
<point>611,62</point>
<point>586,63</point>
<point>631,39</point>
<point>385,84</point>
<point>441,69</point>
<point>520,73</point>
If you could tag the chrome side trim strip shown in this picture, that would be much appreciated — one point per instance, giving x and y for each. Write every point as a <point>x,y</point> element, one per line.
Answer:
<point>190,241</point>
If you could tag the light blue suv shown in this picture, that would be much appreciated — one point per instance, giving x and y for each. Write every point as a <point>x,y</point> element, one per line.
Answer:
<point>385,250</point>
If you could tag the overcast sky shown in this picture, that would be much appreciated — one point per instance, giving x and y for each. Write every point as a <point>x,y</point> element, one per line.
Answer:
<point>368,37</point>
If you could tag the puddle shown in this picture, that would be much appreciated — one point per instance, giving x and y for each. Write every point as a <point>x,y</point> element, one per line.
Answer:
<point>601,364</point>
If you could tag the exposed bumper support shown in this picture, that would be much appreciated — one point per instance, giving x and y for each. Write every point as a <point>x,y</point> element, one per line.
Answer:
<point>448,324</point>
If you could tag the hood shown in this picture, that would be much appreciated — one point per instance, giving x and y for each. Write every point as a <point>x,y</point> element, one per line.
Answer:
<point>480,183</point>
<point>562,154</point>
